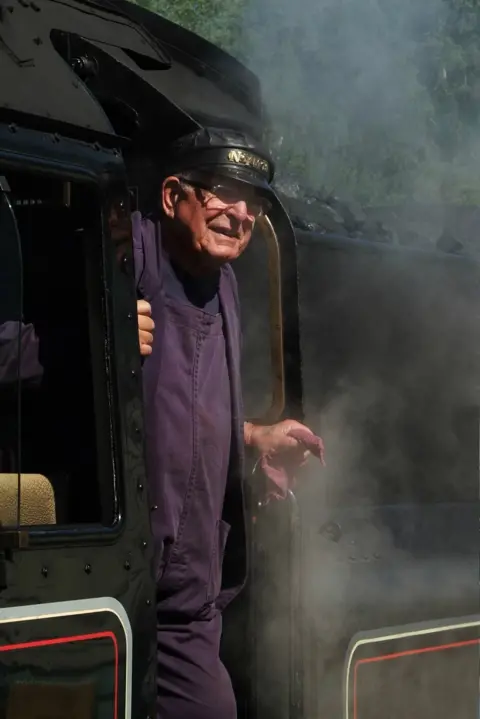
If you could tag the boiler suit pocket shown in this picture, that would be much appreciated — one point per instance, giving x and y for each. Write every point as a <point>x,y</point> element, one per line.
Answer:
<point>215,577</point>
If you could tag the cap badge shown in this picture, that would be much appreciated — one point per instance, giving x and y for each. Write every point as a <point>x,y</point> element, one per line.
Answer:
<point>240,157</point>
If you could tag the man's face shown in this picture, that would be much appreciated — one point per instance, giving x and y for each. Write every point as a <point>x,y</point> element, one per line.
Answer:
<point>213,216</point>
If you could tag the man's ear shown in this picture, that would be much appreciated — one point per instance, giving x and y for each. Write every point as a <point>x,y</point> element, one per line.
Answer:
<point>170,194</point>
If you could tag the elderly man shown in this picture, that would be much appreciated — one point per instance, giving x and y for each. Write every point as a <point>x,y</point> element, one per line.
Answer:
<point>215,185</point>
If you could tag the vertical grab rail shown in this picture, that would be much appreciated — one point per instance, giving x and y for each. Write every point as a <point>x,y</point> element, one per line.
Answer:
<point>277,404</point>
<point>286,521</point>
<point>296,610</point>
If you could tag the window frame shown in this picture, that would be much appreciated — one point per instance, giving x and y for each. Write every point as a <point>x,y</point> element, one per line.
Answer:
<point>103,170</point>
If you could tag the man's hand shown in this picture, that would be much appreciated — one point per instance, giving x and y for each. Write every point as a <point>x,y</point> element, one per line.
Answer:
<point>145,327</point>
<point>274,439</point>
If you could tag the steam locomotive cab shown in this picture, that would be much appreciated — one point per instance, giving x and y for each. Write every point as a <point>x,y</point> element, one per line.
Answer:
<point>363,592</point>
<point>89,99</point>
<point>75,540</point>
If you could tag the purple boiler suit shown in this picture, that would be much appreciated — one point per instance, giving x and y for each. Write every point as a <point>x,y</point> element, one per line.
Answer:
<point>194,443</point>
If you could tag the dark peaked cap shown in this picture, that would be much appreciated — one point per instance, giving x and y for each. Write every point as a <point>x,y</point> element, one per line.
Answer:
<point>226,152</point>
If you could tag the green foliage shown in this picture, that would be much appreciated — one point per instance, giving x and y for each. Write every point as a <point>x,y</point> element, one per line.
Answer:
<point>216,20</point>
<point>382,107</point>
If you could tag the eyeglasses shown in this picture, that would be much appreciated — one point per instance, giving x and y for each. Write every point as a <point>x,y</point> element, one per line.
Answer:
<point>230,194</point>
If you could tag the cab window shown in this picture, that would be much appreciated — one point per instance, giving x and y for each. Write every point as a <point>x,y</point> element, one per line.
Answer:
<point>55,439</point>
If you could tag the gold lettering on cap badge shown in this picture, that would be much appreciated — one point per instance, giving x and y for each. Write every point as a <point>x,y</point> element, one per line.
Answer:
<point>240,157</point>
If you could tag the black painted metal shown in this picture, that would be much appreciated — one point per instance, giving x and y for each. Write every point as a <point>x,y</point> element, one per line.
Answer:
<point>388,335</point>
<point>106,78</point>
<point>65,565</point>
<point>84,659</point>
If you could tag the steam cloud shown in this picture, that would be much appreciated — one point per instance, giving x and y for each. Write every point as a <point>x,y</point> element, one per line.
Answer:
<point>342,80</point>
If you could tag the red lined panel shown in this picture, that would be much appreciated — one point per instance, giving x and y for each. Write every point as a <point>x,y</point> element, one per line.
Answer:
<point>406,653</point>
<point>67,640</point>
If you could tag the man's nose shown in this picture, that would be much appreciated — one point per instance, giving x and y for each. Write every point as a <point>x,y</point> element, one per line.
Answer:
<point>239,210</point>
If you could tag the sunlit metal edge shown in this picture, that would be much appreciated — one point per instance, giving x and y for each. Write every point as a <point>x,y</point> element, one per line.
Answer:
<point>277,404</point>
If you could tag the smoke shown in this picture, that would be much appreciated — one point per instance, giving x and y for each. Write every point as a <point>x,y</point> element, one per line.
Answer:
<point>343,82</point>
<point>389,346</point>
<point>389,351</point>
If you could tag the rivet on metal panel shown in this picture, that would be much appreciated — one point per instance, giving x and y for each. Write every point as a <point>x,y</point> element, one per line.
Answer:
<point>144,545</point>
<point>140,487</point>
<point>133,373</point>
<point>38,41</point>
<point>148,602</point>
<point>154,508</point>
<point>331,530</point>
<point>130,316</point>
<point>126,565</point>
<point>45,571</point>
<point>96,146</point>
<point>12,127</point>
<point>88,568</point>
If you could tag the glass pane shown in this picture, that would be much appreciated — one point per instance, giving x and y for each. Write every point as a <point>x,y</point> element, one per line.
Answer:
<point>14,365</point>
<point>66,464</point>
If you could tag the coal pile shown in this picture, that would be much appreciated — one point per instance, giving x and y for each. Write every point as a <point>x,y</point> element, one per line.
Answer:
<point>327,214</point>
<point>454,230</point>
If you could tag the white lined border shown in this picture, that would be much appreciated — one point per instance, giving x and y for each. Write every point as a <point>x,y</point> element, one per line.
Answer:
<point>32,612</point>
<point>409,630</point>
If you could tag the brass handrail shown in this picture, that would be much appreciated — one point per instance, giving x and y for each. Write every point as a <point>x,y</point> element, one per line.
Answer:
<point>277,404</point>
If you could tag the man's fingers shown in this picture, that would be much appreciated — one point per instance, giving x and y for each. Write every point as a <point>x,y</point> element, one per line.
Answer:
<point>146,336</point>
<point>145,327</point>
<point>145,350</point>
<point>145,324</point>
<point>291,443</point>
<point>144,308</point>
<point>305,458</point>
